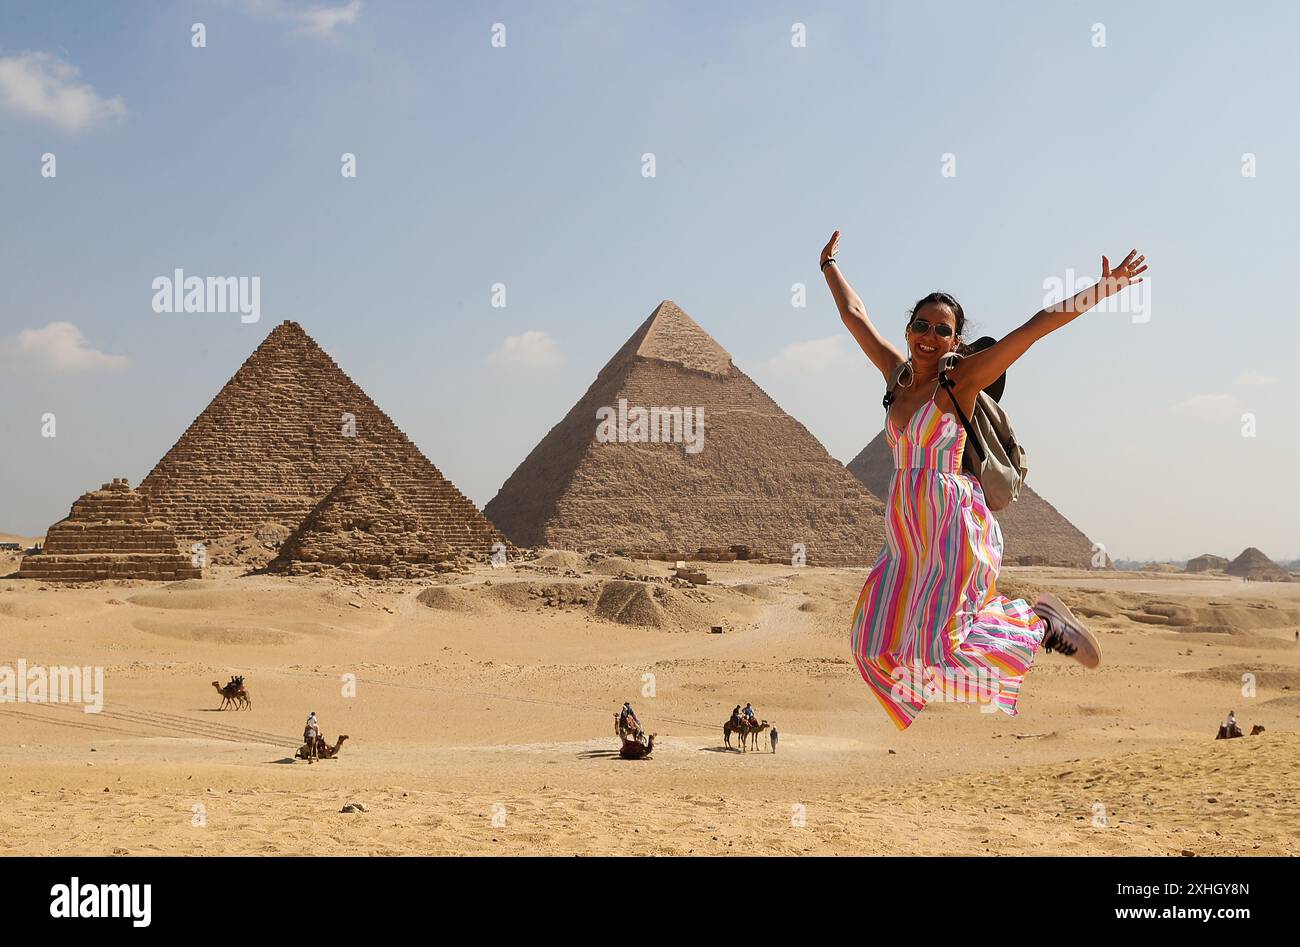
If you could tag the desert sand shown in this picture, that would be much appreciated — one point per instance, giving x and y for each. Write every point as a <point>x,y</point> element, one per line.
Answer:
<point>483,713</point>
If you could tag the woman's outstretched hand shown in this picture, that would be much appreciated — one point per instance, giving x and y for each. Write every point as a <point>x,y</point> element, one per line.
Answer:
<point>832,245</point>
<point>1126,274</point>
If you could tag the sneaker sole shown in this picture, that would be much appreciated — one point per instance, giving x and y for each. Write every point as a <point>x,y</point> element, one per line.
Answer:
<point>1089,651</point>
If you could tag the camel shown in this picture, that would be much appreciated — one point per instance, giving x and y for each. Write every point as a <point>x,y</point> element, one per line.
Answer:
<point>323,750</point>
<point>752,734</point>
<point>745,729</point>
<point>1226,734</point>
<point>234,694</point>
<point>636,750</point>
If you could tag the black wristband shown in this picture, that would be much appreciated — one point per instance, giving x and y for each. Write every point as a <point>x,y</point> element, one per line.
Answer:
<point>827,263</point>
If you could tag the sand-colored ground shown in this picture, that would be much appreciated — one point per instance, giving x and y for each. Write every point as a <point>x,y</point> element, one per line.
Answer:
<point>482,720</point>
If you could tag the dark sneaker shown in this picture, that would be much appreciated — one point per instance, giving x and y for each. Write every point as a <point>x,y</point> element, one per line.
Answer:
<point>1065,633</point>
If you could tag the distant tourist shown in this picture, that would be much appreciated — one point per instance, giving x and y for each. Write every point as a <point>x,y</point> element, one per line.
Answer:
<point>1230,728</point>
<point>943,546</point>
<point>771,736</point>
<point>311,734</point>
<point>749,714</point>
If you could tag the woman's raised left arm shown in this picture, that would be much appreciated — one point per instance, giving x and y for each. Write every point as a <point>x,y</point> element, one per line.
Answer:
<point>978,371</point>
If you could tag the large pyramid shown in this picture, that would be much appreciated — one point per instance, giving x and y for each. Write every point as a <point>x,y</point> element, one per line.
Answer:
<point>280,435</point>
<point>1033,531</point>
<point>759,479</point>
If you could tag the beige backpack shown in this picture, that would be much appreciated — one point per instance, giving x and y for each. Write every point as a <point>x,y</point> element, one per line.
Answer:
<point>993,455</point>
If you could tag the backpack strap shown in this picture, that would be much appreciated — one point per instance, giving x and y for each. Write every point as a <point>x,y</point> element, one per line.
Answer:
<point>948,384</point>
<point>895,378</point>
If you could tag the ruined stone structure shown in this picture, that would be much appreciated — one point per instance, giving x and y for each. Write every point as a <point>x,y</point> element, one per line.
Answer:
<point>1033,531</point>
<point>760,479</point>
<point>109,534</point>
<point>362,525</point>
<point>281,435</point>
<point>1207,563</point>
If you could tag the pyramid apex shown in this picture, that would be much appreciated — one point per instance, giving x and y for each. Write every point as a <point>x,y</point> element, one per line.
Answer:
<point>670,335</point>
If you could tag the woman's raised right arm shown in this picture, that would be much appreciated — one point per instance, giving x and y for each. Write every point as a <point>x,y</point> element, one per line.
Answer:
<point>879,349</point>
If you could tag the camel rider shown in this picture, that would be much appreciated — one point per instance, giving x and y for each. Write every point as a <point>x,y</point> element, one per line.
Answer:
<point>749,714</point>
<point>735,716</point>
<point>311,733</point>
<point>628,718</point>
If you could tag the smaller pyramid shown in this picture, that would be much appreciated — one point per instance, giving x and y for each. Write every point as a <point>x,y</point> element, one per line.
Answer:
<point>1206,563</point>
<point>362,525</point>
<point>1254,565</point>
<point>109,534</point>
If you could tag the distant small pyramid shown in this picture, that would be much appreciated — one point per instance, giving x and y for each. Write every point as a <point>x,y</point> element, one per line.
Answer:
<point>280,435</point>
<point>760,480</point>
<point>109,534</point>
<point>1206,563</point>
<point>1254,565</point>
<point>1033,531</point>
<point>363,523</point>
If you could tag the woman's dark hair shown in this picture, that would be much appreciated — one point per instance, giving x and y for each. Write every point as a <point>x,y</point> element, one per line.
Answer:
<point>942,299</point>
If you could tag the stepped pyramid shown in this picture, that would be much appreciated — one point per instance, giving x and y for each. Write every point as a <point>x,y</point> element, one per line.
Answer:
<point>363,523</point>
<point>109,534</point>
<point>1033,531</point>
<point>275,440</point>
<point>761,480</point>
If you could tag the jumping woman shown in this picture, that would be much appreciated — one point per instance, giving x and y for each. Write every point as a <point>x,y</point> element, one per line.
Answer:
<point>929,623</point>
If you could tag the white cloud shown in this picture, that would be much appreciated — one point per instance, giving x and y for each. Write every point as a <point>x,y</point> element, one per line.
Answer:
<point>1255,378</point>
<point>61,347</point>
<point>810,357</point>
<point>316,19</point>
<point>1212,407</point>
<point>43,86</point>
<point>532,349</point>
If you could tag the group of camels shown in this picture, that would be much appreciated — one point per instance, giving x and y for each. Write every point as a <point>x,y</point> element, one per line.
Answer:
<point>235,694</point>
<point>746,729</point>
<point>637,745</point>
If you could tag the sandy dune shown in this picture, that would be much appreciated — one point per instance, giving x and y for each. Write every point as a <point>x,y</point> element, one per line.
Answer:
<point>483,711</point>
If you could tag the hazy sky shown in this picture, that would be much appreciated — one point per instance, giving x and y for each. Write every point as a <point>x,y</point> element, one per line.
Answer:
<point>523,165</point>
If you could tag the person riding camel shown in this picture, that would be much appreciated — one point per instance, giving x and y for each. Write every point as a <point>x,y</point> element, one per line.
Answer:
<point>749,714</point>
<point>1230,725</point>
<point>735,716</point>
<point>628,719</point>
<point>311,735</point>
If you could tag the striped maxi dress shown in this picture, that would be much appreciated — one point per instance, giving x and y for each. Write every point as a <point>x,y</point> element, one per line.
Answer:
<point>929,624</point>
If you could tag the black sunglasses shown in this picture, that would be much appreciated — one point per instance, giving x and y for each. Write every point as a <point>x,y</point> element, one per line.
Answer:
<point>921,327</point>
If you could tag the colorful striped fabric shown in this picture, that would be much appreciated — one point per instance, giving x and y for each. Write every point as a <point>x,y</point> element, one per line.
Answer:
<point>929,624</point>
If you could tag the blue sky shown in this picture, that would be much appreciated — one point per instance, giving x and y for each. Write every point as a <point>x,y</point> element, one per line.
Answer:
<point>522,165</point>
